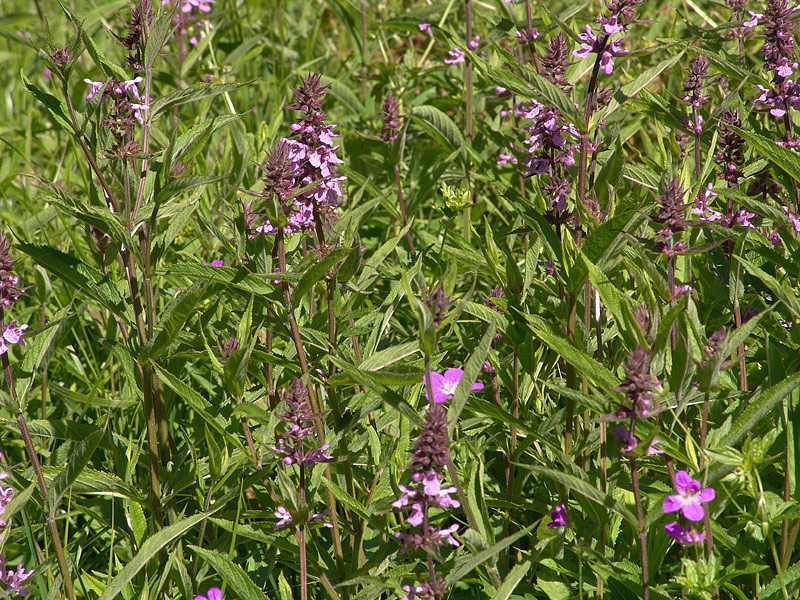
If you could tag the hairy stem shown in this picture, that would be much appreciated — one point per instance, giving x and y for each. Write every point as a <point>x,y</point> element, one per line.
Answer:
<point>637,495</point>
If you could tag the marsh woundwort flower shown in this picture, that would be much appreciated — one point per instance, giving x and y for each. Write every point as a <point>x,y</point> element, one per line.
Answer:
<point>390,115</point>
<point>689,497</point>
<point>637,385</point>
<point>425,27</point>
<point>308,157</point>
<point>729,155</point>
<point>454,56</point>
<point>428,463</point>
<point>683,535</point>
<point>558,517</point>
<point>622,13</point>
<point>630,443</point>
<point>13,580</point>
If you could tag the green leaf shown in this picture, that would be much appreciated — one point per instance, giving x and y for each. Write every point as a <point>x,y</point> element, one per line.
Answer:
<point>512,580</point>
<point>472,369</point>
<point>631,89</point>
<point>150,549</point>
<point>138,521</point>
<point>785,159</point>
<point>92,482</point>
<point>758,408</point>
<point>77,461</point>
<point>54,106</point>
<point>198,91</point>
<point>177,313</point>
<point>586,490</point>
<point>199,404</point>
<point>40,349</point>
<point>191,142</point>
<point>463,568</point>
<point>441,124</point>
<point>386,357</point>
<point>260,285</point>
<point>784,295</point>
<point>232,573</point>
<point>316,273</point>
<point>370,271</point>
<point>578,358</point>
<point>159,32</point>
<point>344,498</point>
<point>80,275</point>
<point>182,184</point>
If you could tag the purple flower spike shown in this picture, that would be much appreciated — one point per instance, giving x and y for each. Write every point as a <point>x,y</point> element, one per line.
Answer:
<point>212,594</point>
<point>444,386</point>
<point>683,535</point>
<point>558,517</point>
<point>688,498</point>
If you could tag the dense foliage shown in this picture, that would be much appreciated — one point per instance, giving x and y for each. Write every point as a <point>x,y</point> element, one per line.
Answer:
<point>359,300</point>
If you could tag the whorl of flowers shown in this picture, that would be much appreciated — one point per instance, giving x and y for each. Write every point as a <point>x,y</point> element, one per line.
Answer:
<point>390,115</point>
<point>10,333</point>
<point>13,580</point>
<point>428,463</point>
<point>141,18</point>
<point>300,419</point>
<point>622,13</point>
<point>308,157</point>
<point>779,58</point>
<point>186,15</point>
<point>670,217</point>
<point>127,105</point>
<point>637,385</point>
<point>554,62</point>
<point>729,155</point>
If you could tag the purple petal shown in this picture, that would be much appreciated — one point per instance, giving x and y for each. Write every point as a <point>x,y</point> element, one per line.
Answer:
<point>215,594</point>
<point>693,511</point>
<point>453,375</point>
<point>683,482</point>
<point>671,503</point>
<point>476,386</point>
<point>675,531</point>
<point>706,495</point>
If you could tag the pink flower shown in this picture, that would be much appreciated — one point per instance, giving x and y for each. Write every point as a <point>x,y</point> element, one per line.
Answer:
<point>688,498</point>
<point>456,55</point>
<point>212,594</point>
<point>94,87</point>
<point>473,43</point>
<point>12,334</point>
<point>683,535</point>
<point>558,518</point>
<point>284,517</point>
<point>754,17</point>
<point>444,386</point>
<point>425,27</point>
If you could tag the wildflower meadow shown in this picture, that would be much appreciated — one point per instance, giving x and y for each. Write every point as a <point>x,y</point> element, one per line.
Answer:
<point>400,299</point>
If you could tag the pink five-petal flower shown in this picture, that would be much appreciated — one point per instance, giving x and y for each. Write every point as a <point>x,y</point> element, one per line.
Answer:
<point>444,386</point>
<point>688,498</point>
<point>212,594</point>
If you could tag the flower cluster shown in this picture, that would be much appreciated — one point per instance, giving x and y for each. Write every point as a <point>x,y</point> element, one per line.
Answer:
<point>299,417</point>
<point>307,160</point>
<point>428,463</point>
<point>637,387</point>
<point>729,155</point>
<point>186,14</point>
<point>558,517</point>
<point>606,47</point>
<point>390,115</point>
<point>455,56</point>
<point>127,104</point>
<point>694,92</point>
<point>13,580</point>
<point>629,441</point>
<point>779,57</point>
<point>10,333</point>
<point>551,145</point>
